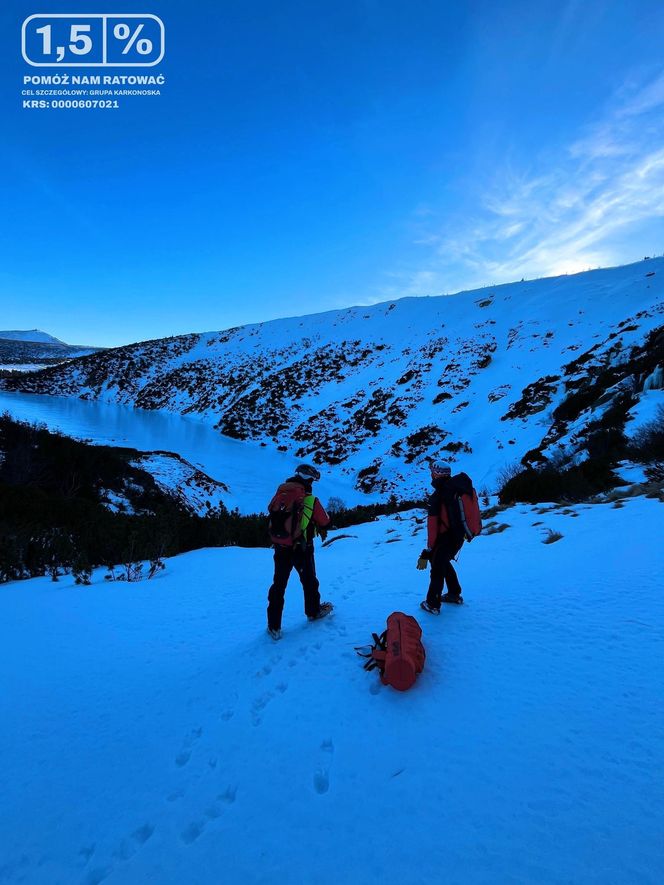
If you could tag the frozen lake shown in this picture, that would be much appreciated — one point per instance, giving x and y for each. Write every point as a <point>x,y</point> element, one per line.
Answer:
<point>251,471</point>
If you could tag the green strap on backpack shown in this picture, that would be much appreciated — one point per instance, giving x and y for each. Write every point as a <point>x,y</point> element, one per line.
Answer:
<point>307,513</point>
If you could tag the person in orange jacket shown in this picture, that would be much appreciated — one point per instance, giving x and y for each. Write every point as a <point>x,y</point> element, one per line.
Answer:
<point>445,537</point>
<point>296,517</point>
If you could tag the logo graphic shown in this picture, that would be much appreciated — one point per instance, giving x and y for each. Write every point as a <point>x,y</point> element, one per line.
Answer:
<point>93,40</point>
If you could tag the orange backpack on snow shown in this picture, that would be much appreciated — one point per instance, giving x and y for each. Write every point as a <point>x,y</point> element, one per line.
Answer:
<point>398,652</point>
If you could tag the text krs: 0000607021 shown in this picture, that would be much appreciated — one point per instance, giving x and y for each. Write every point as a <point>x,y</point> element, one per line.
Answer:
<point>71,103</point>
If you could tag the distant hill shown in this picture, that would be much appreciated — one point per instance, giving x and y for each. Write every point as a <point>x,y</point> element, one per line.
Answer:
<point>35,335</point>
<point>32,350</point>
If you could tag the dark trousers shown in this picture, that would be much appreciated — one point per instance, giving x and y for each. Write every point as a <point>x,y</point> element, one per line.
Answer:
<point>443,571</point>
<point>285,560</point>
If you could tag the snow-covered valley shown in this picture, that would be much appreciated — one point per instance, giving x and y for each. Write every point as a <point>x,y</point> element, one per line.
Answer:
<point>480,378</point>
<point>152,732</point>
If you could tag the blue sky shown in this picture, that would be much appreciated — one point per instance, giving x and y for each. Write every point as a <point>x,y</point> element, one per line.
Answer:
<point>308,156</point>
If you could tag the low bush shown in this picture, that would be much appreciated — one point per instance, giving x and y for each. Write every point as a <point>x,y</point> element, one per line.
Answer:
<point>647,444</point>
<point>574,483</point>
<point>507,473</point>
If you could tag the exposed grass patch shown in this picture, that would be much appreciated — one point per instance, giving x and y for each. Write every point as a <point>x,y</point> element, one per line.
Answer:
<point>495,528</point>
<point>552,537</point>
<point>490,512</point>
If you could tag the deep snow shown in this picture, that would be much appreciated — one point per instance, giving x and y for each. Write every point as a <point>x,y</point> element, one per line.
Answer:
<point>152,732</point>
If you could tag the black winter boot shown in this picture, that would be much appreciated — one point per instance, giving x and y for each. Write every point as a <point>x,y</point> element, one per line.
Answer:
<point>429,608</point>
<point>323,611</point>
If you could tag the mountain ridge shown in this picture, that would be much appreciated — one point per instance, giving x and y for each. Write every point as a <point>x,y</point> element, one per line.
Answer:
<point>480,376</point>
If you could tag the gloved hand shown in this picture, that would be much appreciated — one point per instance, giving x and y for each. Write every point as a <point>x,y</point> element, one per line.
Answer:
<point>424,560</point>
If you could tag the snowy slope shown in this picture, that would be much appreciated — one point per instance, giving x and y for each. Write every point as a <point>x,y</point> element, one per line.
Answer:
<point>375,392</point>
<point>153,733</point>
<point>175,476</point>
<point>35,335</point>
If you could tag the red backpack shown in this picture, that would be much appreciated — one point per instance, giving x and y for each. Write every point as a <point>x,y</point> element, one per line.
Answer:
<point>469,507</point>
<point>398,652</point>
<point>289,513</point>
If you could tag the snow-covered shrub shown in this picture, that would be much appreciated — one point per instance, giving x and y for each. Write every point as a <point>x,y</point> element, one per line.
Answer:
<point>156,565</point>
<point>655,472</point>
<point>647,444</point>
<point>82,571</point>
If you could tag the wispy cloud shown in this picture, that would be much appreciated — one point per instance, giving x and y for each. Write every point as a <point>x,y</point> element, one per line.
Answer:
<point>576,211</point>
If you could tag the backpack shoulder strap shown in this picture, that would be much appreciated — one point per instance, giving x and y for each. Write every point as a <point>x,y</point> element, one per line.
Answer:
<point>380,642</point>
<point>376,661</point>
<point>376,653</point>
<point>308,504</point>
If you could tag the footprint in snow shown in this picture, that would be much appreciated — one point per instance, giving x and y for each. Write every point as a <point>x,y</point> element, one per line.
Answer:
<point>185,753</point>
<point>214,810</point>
<point>142,834</point>
<point>192,831</point>
<point>130,845</point>
<point>322,773</point>
<point>86,852</point>
<point>228,795</point>
<point>259,705</point>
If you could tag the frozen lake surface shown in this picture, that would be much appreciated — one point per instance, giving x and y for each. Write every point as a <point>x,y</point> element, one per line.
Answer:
<point>251,471</point>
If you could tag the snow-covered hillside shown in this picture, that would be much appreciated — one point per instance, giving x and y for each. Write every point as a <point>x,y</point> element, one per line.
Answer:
<point>376,391</point>
<point>34,335</point>
<point>152,732</point>
<point>176,476</point>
